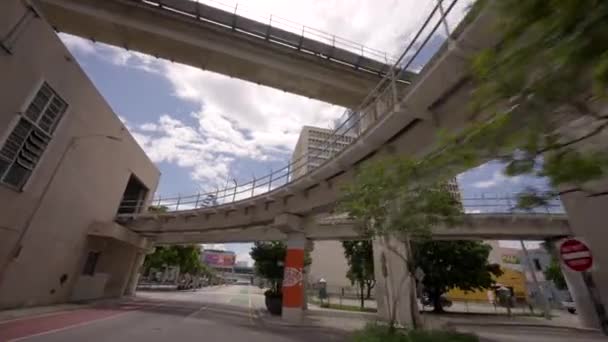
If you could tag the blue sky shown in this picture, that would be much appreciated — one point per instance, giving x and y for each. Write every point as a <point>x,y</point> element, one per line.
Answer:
<point>202,129</point>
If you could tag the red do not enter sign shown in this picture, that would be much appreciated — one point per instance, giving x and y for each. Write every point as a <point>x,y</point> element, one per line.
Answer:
<point>576,255</point>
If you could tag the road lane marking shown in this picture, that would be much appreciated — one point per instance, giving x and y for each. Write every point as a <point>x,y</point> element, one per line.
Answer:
<point>39,315</point>
<point>197,312</point>
<point>250,307</point>
<point>77,325</point>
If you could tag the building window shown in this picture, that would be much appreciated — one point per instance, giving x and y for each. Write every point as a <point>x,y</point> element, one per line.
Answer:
<point>91,264</point>
<point>27,142</point>
<point>133,199</point>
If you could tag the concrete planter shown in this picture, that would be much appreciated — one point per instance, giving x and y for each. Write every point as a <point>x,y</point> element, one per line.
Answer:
<point>274,303</point>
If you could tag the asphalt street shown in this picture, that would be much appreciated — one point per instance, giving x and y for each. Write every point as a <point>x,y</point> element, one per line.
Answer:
<point>227,313</point>
<point>531,334</point>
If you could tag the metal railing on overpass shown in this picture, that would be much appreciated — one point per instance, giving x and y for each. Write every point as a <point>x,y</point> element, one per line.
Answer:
<point>416,53</point>
<point>281,31</point>
<point>506,203</point>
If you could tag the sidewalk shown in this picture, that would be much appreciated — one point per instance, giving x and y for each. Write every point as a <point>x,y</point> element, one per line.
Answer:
<point>461,320</point>
<point>15,314</point>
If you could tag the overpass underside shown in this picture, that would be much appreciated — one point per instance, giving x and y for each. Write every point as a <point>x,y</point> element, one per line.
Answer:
<point>473,227</point>
<point>208,38</point>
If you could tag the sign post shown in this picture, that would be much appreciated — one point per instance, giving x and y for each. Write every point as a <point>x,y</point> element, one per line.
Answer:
<point>576,255</point>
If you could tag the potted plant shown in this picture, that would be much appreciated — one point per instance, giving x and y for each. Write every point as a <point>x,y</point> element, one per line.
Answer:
<point>274,301</point>
<point>269,257</point>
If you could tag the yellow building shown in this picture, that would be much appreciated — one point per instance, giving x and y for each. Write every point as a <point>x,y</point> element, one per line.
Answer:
<point>510,279</point>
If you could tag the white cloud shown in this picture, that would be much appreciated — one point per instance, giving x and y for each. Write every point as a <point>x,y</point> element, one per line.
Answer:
<point>498,179</point>
<point>244,256</point>
<point>216,246</point>
<point>237,119</point>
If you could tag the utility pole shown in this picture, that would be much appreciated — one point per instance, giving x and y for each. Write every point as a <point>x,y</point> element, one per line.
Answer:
<point>539,289</point>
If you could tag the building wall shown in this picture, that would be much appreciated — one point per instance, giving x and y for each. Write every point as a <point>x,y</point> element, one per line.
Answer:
<point>89,183</point>
<point>311,150</point>
<point>515,259</point>
<point>510,278</point>
<point>328,260</point>
<point>329,263</point>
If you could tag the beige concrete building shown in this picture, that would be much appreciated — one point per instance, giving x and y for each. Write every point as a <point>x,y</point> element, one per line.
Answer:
<point>311,150</point>
<point>328,260</point>
<point>66,163</point>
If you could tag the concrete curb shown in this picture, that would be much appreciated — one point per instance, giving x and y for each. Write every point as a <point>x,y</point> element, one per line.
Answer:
<point>455,325</point>
<point>341,313</point>
<point>38,311</point>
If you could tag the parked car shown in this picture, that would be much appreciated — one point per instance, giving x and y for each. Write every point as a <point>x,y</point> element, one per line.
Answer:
<point>569,306</point>
<point>446,303</point>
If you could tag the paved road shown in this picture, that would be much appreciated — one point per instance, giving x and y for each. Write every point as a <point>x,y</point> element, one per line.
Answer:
<point>531,334</point>
<point>230,313</point>
<point>226,314</point>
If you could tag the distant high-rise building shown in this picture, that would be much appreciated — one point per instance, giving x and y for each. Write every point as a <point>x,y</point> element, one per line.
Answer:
<point>312,149</point>
<point>452,187</point>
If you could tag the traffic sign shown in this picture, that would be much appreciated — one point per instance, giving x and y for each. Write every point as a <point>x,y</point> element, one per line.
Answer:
<point>576,255</point>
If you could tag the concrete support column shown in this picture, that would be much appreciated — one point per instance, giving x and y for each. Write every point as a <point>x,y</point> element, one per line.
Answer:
<point>305,278</point>
<point>588,217</point>
<point>135,273</point>
<point>585,309</point>
<point>293,287</point>
<point>395,288</point>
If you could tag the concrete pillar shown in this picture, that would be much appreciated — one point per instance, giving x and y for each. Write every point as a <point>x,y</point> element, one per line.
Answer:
<point>585,309</point>
<point>116,261</point>
<point>307,249</point>
<point>135,273</point>
<point>293,287</point>
<point>394,286</point>
<point>588,217</point>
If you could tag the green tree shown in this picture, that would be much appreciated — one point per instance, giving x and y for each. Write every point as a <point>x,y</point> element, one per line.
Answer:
<point>554,271</point>
<point>450,264</point>
<point>158,209</point>
<point>186,257</point>
<point>549,71</point>
<point>391,198</point>
<point>554,274</point>
<point>269,258</point>
<point>360,258</point>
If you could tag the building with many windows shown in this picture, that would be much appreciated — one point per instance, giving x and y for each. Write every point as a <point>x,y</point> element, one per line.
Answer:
<point>313,149</point>
<point>67,163</point>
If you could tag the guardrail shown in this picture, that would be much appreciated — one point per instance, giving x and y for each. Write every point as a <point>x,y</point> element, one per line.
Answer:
<point>506,203</point>
<point>278,30</point>
<point>275,21</point>
<point>385,94</point>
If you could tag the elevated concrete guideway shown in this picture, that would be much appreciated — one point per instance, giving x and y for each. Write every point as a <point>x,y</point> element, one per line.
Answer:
<point>205,37</point>
<point>437,100</point>
<point>475,227</point>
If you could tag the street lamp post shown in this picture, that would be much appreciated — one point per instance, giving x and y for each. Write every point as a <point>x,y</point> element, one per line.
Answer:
<point>16,249</point>
<point>539,289</point>
<point>235,187</point>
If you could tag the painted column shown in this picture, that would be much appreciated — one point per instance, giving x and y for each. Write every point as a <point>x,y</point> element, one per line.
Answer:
<point>293,284</point>
<point>395,288</point>
<point>588,219</point>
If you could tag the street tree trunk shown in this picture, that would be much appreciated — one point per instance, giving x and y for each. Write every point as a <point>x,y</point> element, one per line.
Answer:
<point>370,285</point>
<point>362,294</point>
<point>436,300</point>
